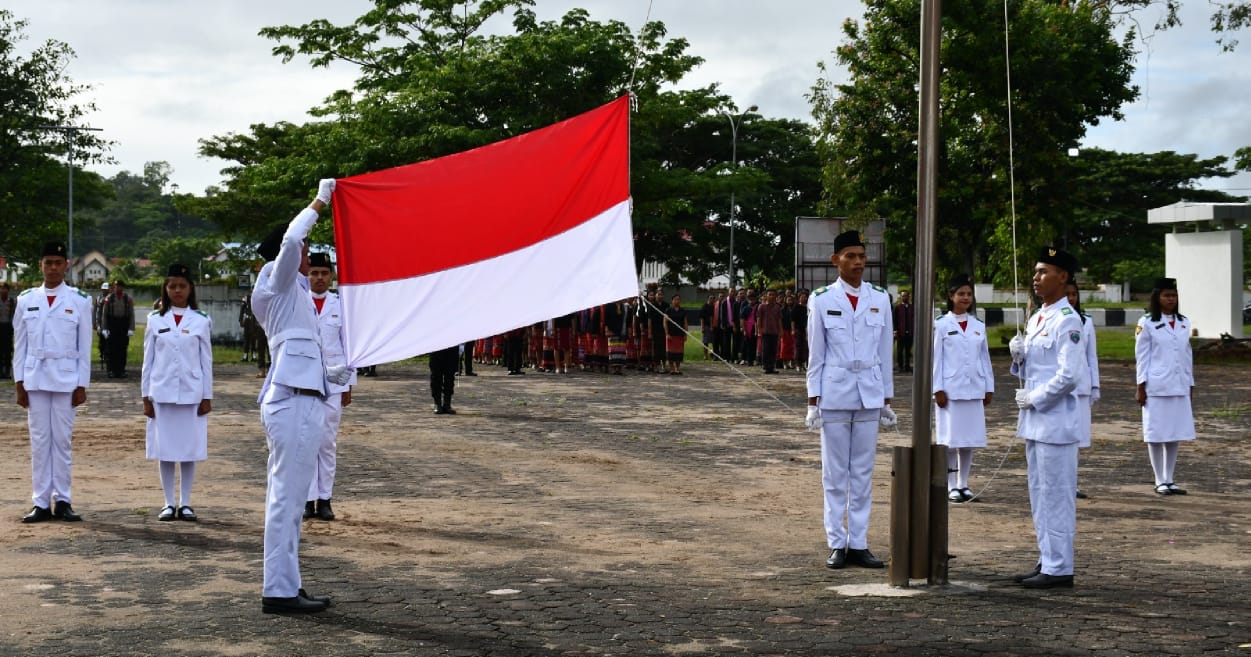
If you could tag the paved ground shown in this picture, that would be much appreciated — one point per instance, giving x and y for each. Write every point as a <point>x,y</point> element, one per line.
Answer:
<point>600,515</point>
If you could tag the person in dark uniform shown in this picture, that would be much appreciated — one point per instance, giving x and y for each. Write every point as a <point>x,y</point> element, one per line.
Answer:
<point>443,378</point>
<point>118,319</point>
<point>903,331</point>
<point>656,331</point>
<point>466,364</point>
<point>514,350</point>
<point>8,306</point>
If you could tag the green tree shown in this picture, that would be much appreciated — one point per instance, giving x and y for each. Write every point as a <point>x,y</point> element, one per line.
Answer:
<point>431,84</point>
<point>1069,72</point>
<point>36,93</point>
<point>142,211</point>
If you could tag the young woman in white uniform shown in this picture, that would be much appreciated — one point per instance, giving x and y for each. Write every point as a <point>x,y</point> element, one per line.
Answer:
<point>963,385</point>
<point>1165,380</point>
<point>177,388</point>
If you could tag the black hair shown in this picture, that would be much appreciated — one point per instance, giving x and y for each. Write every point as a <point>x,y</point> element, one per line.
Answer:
<point>1154,307</point>
<point>951,289</point>
<point>166,304</point>
<point>1076,306</point>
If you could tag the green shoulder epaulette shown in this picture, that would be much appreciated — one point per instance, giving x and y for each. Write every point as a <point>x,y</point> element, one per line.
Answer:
<point>1066,311</point>
<point>154,312</point>
<point>878,288</point>
<point>202,313</point>
<point>820,290</point>
<point>82,294</point>
<point>26,292</point>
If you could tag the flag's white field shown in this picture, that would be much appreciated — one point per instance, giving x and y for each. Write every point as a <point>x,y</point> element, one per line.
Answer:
<point>478,243</point>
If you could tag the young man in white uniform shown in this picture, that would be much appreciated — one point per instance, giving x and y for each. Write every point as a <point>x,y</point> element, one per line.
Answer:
<point>1051,358</point>
<point>51,372</point>
<point>292,403</point>
<point>330,326</point>
<point>850,386</point>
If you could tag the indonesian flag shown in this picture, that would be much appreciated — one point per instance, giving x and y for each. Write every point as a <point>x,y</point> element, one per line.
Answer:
<point>474,244</point>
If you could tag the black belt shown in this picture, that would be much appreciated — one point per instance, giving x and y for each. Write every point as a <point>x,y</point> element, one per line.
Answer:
<point>307,392</point>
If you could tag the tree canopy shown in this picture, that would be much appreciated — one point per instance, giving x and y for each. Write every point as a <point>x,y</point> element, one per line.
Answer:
<point>35,94</point>
<point>431,84</point>
<point>1069,72</point>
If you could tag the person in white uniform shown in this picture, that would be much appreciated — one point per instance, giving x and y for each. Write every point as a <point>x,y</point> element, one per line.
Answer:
<point>1087,388</point>
<point>1166,378</point>
<point>1051,360</point>
<point>51,372</point>
<point>292,399</point>
<point>850,385</point>
<point>963,385</point>
<point>177,387</point>
<point>330,326</point>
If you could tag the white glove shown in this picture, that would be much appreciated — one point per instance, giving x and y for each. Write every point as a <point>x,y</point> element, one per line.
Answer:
<point>105,333</point>
<point>1022,399</point>
<point>1094,395</point>
<point>888,418</point>
<point>130,334</point>
<point>339,375</point>
<point>324,189</point>
<point>1017,347</point>
<point>813,420</point>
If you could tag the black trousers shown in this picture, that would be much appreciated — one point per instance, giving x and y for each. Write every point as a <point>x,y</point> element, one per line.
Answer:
<point>769,352</point>
<point>6,348</point>
<point>514,348</point>
<point>903,353</point>
<point>115,349</point>
<point>443,375</point>
<point>467,358</point>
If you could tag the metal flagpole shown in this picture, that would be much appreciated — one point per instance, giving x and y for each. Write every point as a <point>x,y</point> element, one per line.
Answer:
<point>69,131</point>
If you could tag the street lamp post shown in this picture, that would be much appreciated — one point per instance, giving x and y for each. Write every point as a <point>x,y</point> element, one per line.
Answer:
<point>735,121</point>
<point>69,131</point>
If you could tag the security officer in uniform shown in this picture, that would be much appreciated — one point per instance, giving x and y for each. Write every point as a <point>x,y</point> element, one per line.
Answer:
<point>330,326</point>
<point>292,399</point>
<point>850,385</point>
<point>443,378</point>
<point>51,371</point>
<point>1051,360</point>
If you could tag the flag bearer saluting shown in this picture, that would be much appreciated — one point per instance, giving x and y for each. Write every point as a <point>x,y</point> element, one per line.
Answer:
<point>292,403</point>
<point>1052,361</point>
<point>850,385</point>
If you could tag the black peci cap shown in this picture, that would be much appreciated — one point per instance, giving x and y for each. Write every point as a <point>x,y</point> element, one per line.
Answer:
<point>1165,284</point>
<point>320,260</point>
<point>846,239</point>
<point>958,281</point>
<point>1063,259</point>
<point>180,270</point>
<point>53,249</point>
<point>269,247</point>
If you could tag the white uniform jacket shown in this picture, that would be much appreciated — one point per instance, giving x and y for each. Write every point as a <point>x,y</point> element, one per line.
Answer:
<point>849,351</point>
<point>330,326</point>
<point>1163,355</point>
<point>52,344</point>
<point>284,307</point>
<point>1091,380</point>
<point>177,358</point>
<point>1055,362</point>
<point>962,358</point>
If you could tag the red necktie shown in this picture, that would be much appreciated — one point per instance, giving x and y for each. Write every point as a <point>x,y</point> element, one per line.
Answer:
<point>964,326</point>
<point>319,303</point>
<point>177,319</point>
<point>853,299</point>
<point>51,298</point>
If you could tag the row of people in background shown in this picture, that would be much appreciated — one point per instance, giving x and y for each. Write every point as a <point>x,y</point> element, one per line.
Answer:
<point>742,327</point>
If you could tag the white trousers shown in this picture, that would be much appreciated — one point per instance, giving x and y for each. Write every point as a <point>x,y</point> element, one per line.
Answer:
<point>293,428</point>
<point>848,447</point>
<point>51,421</point>
<point>1052,480</point>
<point>322,485</point>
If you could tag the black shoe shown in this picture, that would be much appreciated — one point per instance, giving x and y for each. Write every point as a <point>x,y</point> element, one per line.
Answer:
<point>1045,581</point>
<point>967,495</point>
<point>955,496</point>
<point>324,511</point>
<point>292,605</point>
<point>1024,576</point>
<point>471,374</point>
<point>837,559</point>
<point>167,514</point>
<point>449,410</point>
<point>1081,495</point>
<point>38,514</point>
<point>1163,489</point>
<point>324,599</point>
<point>309,510</point>
<point>187,513</point>
<point>439,410</point>
<point>64,511</point>
<point>1174,489</point>
<point>864,559</point>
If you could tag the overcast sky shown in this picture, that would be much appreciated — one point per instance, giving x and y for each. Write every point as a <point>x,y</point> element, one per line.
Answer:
<point>166,74</point>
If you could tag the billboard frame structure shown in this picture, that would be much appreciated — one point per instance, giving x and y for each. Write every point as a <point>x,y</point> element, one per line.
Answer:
<point>814,244</point>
